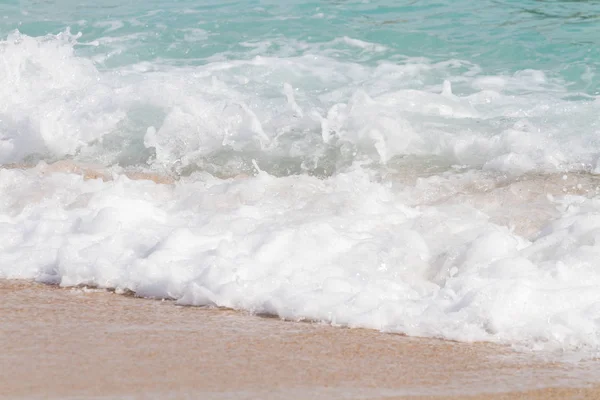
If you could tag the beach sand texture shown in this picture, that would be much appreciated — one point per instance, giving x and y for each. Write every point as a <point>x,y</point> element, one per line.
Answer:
<point>81,343</point>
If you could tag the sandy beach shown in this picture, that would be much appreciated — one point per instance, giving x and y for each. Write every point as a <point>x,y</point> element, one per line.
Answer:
<point>81,343</point>
<point>299,200</point>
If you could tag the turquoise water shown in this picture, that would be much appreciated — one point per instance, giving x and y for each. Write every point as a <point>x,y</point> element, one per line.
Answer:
<point>327,56</point>
<point>561,37</point>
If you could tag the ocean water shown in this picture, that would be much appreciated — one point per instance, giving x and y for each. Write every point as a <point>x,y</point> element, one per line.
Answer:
<point>430,168</point>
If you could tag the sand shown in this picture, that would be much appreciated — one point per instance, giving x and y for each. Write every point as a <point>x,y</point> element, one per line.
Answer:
<point>81,343</point>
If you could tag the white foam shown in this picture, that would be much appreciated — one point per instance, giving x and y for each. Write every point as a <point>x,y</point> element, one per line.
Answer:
<point>60,104</point>
<point>434,270</point>
<point>361,44</point>
<point>52,101</point>
<point>441,209</point>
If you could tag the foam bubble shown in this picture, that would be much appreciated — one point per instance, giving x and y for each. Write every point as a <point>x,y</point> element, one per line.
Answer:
<point>433,191</point>
<point>432,269</point>
<point>59,104</point>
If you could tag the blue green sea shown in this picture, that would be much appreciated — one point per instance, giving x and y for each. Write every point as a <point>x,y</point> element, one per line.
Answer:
<point>327,53</point>
<point>560,38</point>
<point>422,167</point>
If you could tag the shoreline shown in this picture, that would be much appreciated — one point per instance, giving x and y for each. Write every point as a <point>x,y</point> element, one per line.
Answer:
<point>74,342</point>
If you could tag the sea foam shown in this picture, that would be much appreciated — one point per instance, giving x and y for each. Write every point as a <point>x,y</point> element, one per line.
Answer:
<point>57,104</point>
<point>419,197</point>
<point>344,250</point>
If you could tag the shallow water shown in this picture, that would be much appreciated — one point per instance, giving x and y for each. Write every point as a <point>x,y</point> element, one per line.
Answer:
<point>425,168</point>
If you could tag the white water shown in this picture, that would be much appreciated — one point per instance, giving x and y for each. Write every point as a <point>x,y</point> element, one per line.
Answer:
<point>306,110</point>
<point>422,198</point>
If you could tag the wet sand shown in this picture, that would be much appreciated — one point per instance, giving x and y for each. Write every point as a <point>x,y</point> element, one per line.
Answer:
<point>79,343</point>
<point>88,171</point>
